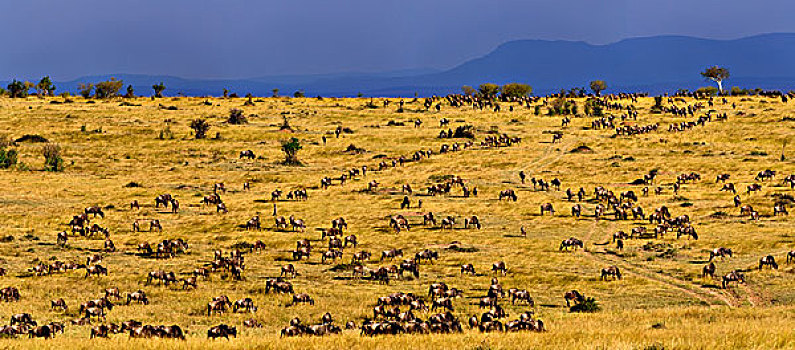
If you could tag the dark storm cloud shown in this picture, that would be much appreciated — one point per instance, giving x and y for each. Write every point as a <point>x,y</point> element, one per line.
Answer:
<point>230,39</point>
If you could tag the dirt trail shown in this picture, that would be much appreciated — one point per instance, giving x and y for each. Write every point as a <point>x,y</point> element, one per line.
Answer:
<point>708,296</point>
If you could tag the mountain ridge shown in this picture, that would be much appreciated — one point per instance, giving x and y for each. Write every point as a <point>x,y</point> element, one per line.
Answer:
<point>657,63</point>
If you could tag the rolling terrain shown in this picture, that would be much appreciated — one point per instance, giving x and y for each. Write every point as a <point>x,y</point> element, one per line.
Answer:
<point>121,150</point>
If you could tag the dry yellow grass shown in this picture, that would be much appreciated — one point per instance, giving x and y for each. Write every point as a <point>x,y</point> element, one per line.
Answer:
<point>120,144</point>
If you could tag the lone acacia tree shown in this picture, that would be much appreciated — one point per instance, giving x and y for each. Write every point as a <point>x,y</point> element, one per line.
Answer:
<point>716,74</point>
<point>158,89</point>
<point>489,90</point>
<point>516,90</point>
<point>200,128</point>
<point>597,86</point>
<point>290,148</point>
<point>45,87</point>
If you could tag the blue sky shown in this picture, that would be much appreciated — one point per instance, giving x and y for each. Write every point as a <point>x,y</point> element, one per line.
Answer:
<point>236,39</point>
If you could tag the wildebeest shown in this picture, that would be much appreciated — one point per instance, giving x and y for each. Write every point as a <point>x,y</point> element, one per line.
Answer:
<point>248,154</point>
<point>97,270</point>
<point>708,270</point>
<point>468,268</point>
<point>391,254</point>
<point>499,267</point>
<point>137,296</point>
<point>473,220</point>
<point>570,242</point>
<point>547,208</point>
<point>288,270</point>
<point>734,276</point>
<point>573,295</point>
<point>610,271</point>
<point>768,261</point>
<point>721,252</point>
<point>303,298</point>
<point>59,303</point>
<point>509,194</point>
<point>221,331</point>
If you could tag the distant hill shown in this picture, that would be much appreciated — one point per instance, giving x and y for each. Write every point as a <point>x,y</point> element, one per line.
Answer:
<point>653,64</point>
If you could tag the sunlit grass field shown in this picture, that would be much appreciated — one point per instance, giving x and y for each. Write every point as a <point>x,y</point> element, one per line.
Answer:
<point>106,146</point>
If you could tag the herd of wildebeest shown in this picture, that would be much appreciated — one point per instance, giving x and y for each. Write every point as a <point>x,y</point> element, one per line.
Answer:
<point>399,312</point>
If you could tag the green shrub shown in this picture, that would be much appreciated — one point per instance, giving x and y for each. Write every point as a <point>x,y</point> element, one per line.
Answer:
<point>200,128</point>
<point>52,157</point>
<point>587,305</point>
<point>8,158</point>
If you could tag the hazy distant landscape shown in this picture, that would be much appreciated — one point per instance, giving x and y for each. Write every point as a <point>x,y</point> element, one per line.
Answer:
<point>654,65</point>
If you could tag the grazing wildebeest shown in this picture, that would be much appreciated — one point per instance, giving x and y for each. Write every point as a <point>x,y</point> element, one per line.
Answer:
<point>281,222</point>
<point>610,271</point>
<point>360,256</point>
<point>729,187</point>
<point>473,220</point>
<point>468,268</point>
<point>499,267</point>
<point>509,194</point>
<point>252,323</point>
<point>297,224</point>
<point>522,295</point>
<point>573,295</point>
<point>155,225</point>
<point>112,292</point>
<point>61,239</point>
<point>100,331</point>
<point>570,242</point>
<point>768,261</point>
<point>708,270</point>
<point>547,207</point>
<point>59,303</point>
<point>40,332</point>
<point>780,208</point>
<point>163,199</point>
<point>734,276</point>
<point>721,252</point>
<point>138,296</point>
<point>753,188</point>
<point>302,298</point>
<point>221,331</point>
<point>244,304</point>
<point>790,256</point>
<point>391,254</point>
<point>448,222</point>
<point>576,210</point>
<point>352,240</point>
<point>97,270</point>
<point>288,270</point>
<point>249,154</point>
<point>399,221</point>
<point>95,210</point>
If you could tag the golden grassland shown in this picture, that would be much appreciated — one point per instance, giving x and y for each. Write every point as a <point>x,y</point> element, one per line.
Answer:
<point>106,146</point>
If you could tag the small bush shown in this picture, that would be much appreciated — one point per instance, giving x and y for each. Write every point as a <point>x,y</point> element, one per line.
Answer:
<point>587,305</point>
<point>236,117</point>
<point>242,246</point>
<point>8,158</point>
<point>200,128</point>
<point>132,184</point>
<point>52,157</point>
<point>464,131</point>
<point>285,125</point>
